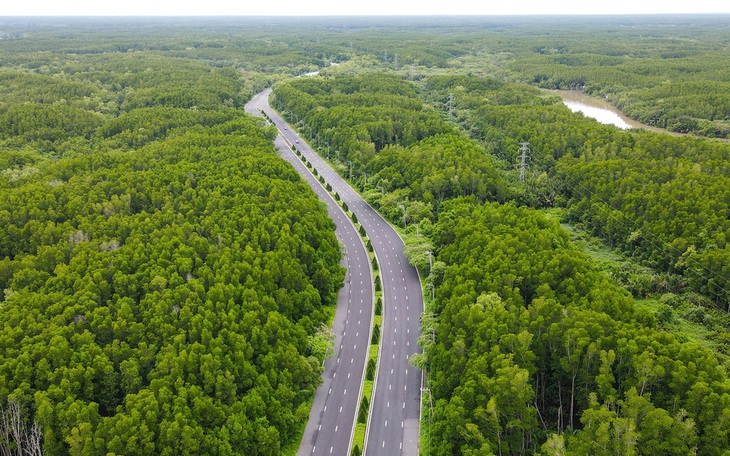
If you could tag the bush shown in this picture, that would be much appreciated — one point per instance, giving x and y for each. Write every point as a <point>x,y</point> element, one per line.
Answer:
<point>376,335</point>
<point>370,371</point>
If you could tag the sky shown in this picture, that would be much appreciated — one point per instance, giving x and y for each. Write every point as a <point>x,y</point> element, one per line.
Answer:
<point>351,7</point>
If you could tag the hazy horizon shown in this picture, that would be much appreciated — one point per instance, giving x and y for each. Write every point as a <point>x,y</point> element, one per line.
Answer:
<point>139,8</point>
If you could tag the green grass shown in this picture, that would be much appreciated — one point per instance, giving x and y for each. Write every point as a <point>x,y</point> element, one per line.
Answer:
<point>360,428</point>
<point>676,314</point>
<point>359,437</point>
<point>367,391</point>
<point>425,437</point>
<point>593,246</point>
<point>685,329</point>
<point>373,351</point>
<point>292,447</point>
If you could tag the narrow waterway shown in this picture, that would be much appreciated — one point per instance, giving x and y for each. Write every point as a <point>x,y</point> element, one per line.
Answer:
<point>315,73</point>
<point>602,111</point>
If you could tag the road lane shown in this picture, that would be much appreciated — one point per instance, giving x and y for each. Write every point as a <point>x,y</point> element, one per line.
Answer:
<point>393,423</point>
<point>331,421</point>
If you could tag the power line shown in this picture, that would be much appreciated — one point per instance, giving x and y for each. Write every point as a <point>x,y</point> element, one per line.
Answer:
<point>522,160</point>
<point>656,242</point>
<point>451,106</point>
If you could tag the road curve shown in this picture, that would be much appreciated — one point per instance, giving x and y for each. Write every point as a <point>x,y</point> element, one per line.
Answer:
<point>393,426</point>
<point>334,411</point>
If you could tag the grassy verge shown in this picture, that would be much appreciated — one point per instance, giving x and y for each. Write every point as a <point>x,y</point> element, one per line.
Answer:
<point>358,441</point>
<point>364,406</point>
<point>292,447</point>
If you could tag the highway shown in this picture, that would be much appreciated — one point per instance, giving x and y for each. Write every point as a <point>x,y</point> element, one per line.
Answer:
<point>393,423</point>
<point>331,421</point>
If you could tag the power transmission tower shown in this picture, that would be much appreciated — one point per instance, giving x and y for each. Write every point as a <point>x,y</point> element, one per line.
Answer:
<point>523,159</point>
<point>395,62</point>
<point>451,105</point>
<point>385,56</point>
<point>410,74</point>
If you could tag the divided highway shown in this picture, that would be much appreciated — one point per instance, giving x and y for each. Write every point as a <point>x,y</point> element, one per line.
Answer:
<point>332,418</point>
<point>393,426</point>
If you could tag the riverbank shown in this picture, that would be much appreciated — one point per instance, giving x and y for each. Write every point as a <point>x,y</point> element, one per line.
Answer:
<point>603,111</point>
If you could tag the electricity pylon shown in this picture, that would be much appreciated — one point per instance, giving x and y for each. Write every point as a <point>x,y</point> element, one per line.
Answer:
<point>523,159</point>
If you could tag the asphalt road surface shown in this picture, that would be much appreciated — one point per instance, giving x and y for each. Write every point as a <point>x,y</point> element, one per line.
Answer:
<point>332,418</point>
<point>393,425</point>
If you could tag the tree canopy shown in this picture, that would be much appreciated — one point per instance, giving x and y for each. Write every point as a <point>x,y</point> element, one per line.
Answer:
<point>164,274</point>
<point>532,340</point>
<point>532,347</point>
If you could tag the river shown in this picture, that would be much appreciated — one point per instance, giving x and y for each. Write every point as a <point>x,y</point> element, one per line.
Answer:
<point>315,73</point>
<point>602,111</point>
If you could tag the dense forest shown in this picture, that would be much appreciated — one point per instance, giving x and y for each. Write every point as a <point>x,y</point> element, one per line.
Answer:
<point>663,200</point>
<point>666,71</point>
<point>531,340</point>
<point>534,348</point>
<point>165,275</point>
<point>386,133</point>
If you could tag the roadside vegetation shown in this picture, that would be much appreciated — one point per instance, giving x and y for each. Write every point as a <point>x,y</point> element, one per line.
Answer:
<point>161,295</point>
<point>535,347</point>
<point>165,276</point>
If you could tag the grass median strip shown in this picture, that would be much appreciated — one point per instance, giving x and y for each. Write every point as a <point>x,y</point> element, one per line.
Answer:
<point>372,362</point>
